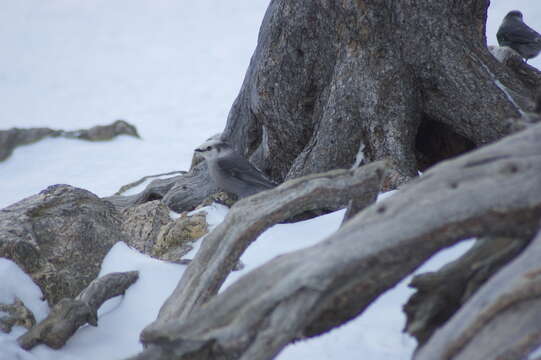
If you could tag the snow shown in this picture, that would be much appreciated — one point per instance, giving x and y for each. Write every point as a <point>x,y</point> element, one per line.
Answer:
<point>173,69</point>
<point>535,355</point>
<point>121,319</point>
<point>11,277</point>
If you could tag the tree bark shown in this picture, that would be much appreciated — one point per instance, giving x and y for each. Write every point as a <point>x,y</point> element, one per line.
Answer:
<point>409,81</point>
<point>70,314</point>
<point>180,193</point>
<point>493,191</point>
<point>440,294</point>
<point>399,77</point>
<point>502,321</point>
<point>222,248</point>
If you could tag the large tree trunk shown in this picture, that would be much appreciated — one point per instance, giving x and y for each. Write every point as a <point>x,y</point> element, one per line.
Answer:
<point>408,81</point>
<point>411,80</point>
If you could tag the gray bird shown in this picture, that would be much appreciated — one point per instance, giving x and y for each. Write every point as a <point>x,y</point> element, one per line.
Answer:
<point>513,32</point>
<point>231,172</point>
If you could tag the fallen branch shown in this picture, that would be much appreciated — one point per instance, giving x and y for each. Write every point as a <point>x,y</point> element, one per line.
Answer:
<point>501,321</point>
<point>70,314</point>
<point>135,183</point>
<point>180,193</point>
<point>248,218</point>
<point>492,191</point>
<point>441,293</point>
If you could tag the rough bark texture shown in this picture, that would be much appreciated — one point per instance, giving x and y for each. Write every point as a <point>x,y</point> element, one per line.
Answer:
<point>528,75</point>
<point>10,139</point>
<point>362,201</point>
<point>248,218</point>
<point>440,294</point>
<point>70,314</point>
<point>328,76</point>
<point>127,187</point>
<point>309,291</point>
<point>502,321</point>
<point>59,237</point>
<point>180,193</point>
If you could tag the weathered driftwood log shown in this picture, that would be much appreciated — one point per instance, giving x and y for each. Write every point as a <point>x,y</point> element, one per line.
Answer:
<point>440,294</point>
<point>135,183</point>
<point>248,218</point>
<point>179,193</point>
<point>59,237</point>
<point>501,321</point>
<point>495,190</point>
<point>10,139</point>
<point>327,76</point>
<point>70,314</point>
<point>361,201</point>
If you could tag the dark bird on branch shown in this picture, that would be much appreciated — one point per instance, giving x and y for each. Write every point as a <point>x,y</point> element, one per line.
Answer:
<point>513,32</point>
<point>231,172</point>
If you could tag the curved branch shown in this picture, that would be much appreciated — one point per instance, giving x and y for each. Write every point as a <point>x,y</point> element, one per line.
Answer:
<point>492,191</point>
<point>501,321</point>
<point>249,217</point>
<point>70,314</point>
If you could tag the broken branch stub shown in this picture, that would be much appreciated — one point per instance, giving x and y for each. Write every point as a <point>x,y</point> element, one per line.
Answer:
<point>501,321</point>
<point>492,191</point>
<point>441,293</point>
<point>70,314</point>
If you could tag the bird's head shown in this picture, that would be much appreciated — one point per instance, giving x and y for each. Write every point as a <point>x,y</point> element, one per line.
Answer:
<point>213,149</point>
<point>515,15</point>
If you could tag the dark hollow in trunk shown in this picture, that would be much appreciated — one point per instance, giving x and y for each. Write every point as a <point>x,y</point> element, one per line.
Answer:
<point>436,141</point>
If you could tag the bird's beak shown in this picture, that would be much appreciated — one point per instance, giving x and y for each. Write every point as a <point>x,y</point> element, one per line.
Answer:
<point>198,150</point>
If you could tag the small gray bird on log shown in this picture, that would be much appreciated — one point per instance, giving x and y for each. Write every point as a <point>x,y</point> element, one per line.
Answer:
<point>231,172</point>
<point>513,32</point>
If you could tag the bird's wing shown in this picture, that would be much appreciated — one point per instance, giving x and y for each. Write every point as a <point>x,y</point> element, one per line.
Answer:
<point>241,169</point>
<point>518,33</point>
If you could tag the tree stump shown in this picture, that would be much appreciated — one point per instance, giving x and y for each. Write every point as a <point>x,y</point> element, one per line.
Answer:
<point>411,81</point>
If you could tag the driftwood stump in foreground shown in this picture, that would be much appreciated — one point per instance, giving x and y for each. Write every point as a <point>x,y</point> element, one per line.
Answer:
<point>495,191</point>
<point>247,219</point>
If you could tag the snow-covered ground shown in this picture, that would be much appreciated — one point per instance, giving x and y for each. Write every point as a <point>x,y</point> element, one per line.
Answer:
<point>172,68</point>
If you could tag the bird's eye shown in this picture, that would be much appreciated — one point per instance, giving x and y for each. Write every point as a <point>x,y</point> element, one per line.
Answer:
<point>209,147</point>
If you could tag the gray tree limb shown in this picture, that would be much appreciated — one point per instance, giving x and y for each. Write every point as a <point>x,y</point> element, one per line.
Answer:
<point>495,190</point>
<point>70,314</point>
<point>248,218</point>
<point>179,193</point>
<point>502,321</point>
<point>135,183</point>
<point>441,293</point>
